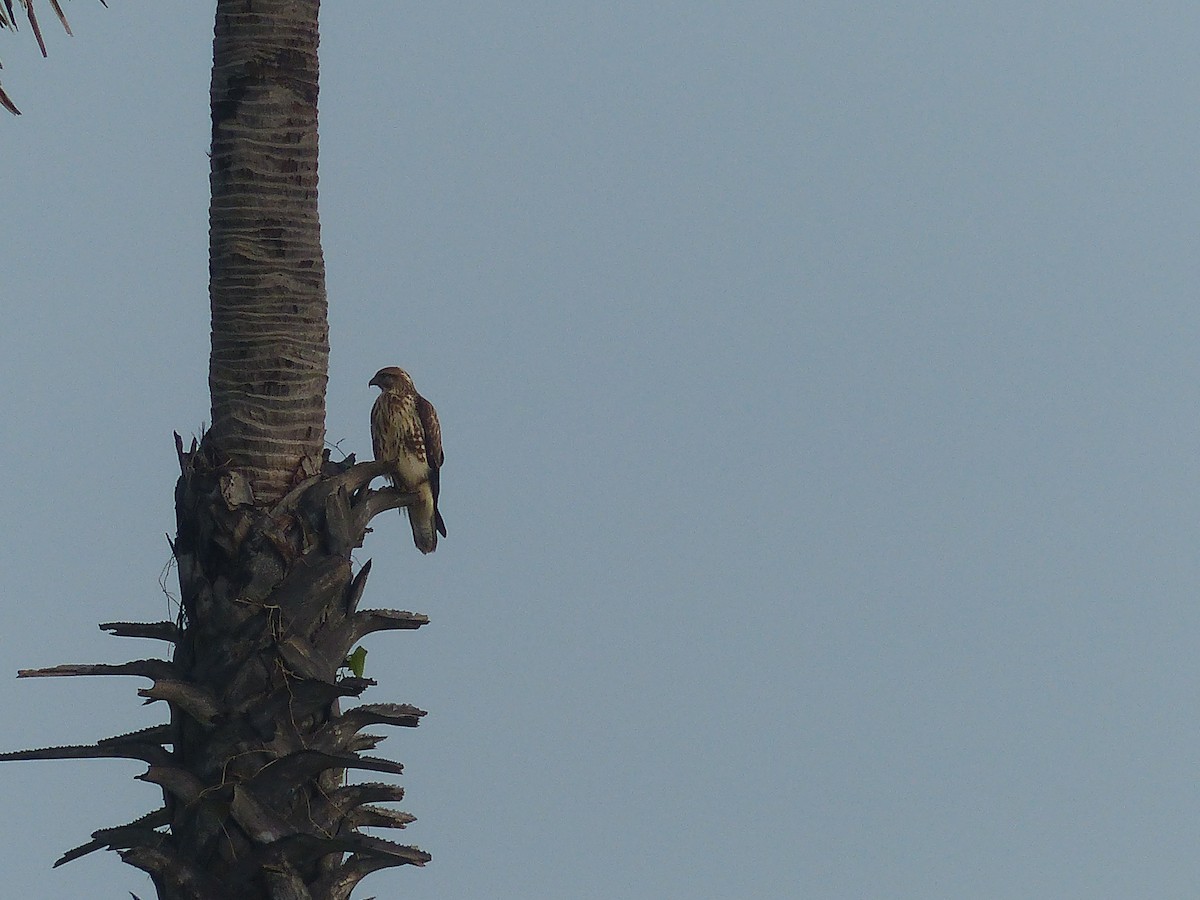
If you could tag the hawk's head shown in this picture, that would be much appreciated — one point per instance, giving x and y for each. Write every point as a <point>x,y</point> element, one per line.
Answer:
<point>393,378</point>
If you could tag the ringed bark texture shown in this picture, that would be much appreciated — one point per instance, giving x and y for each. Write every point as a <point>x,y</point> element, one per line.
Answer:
<point>270,334</point>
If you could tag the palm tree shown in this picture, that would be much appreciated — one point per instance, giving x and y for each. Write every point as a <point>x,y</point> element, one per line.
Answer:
<point>252,759</point>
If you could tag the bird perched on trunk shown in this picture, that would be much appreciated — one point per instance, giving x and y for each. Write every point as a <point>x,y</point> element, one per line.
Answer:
<point>405,432</point>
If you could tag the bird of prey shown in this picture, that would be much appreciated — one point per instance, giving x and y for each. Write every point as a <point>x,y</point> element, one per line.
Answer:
<point>405,432</point>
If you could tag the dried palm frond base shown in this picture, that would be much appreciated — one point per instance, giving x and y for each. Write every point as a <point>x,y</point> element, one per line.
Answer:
<point>253,758</point>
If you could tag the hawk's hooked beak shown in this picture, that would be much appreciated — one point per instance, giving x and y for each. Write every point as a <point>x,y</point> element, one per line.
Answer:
<point>375,382</point>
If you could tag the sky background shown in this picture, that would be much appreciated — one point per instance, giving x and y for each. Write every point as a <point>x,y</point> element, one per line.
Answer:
<point>818,391</point>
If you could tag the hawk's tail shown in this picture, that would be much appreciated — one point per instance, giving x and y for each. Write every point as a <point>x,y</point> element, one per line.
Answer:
<point>426,524</point>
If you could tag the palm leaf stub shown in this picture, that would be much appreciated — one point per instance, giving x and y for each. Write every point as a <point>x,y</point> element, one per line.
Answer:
<point>252,762</point>
<point>160,631</point>
<point>111,838</point>
<point>153,754</point>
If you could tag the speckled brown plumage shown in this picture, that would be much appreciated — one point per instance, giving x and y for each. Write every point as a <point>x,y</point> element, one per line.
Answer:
<point>405,432</point>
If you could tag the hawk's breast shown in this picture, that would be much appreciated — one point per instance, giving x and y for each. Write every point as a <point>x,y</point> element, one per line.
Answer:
<point>401,438</point>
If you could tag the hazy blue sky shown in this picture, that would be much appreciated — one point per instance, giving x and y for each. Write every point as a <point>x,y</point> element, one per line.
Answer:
<point>818,383</point>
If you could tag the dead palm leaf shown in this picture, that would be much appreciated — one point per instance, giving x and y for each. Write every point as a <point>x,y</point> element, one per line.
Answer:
<point>8,20</point>
<point>7,103</point>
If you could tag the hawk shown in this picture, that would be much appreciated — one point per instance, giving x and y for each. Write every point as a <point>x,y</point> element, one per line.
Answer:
<point>405,432</point>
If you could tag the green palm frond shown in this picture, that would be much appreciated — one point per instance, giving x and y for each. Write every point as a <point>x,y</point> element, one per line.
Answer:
<point>8,19</point>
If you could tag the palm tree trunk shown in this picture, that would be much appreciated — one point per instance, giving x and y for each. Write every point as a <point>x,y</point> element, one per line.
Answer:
<point>270,334</point>
<point>255,803</point>
<point>254,792</point>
